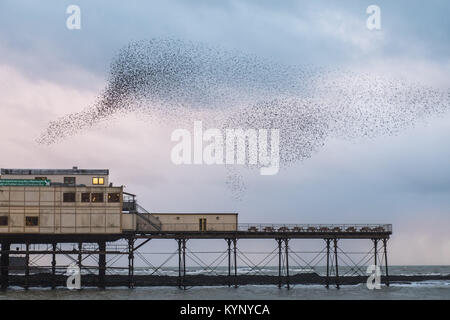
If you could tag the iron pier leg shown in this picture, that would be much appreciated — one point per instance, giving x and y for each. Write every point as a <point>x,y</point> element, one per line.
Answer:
<point>80,247</point>
<point>336,262</point>
<point>327,284</point>
<point>229,261</point>
<point>130,263</point>
<point>375,251</point>
<point>53,265</point>
<point>27,265</point>
<point>386,261</point>
<point>181,264</point>
<point>280,252</point>
<point>101,264</point>
<point>5,264</point>
<point>235,262</point>
<point>184,264</point>
<point>286,246</point>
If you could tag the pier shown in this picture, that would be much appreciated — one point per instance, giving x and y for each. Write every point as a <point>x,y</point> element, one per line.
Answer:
<point>56,220</point>
<point>105,249</point>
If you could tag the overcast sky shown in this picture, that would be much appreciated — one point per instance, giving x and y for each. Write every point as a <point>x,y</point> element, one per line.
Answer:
<point>48,71</point>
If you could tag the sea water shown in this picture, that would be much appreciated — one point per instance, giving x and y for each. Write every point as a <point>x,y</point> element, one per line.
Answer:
<point>433,289</point>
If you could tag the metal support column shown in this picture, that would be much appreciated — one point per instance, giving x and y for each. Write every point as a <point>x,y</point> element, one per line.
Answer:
<point>280,252</point>
<point>130,262</point>
<point>327,284</point>
<point>336,263</point>
<point>375,251</point>
<point>4,262</point>
<point>235,261</point>
<point>181,263</point>
<point>286,247</point>
<point>184,263</point>
<point>101,264</point>
<point>53,265</point>
<point>229,261</point>
<point>27,264</point>
<point>80,257</point>
<point>386,262</point>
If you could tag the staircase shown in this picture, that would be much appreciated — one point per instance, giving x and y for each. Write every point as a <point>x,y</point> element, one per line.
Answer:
<point>146,219</point>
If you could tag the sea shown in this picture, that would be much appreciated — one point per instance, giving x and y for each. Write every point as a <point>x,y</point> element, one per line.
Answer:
<point>431,289</point>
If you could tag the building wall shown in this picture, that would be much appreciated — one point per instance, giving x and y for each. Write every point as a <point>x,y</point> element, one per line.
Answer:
<point>57,216</point>
<point>129,222</point>
<point>80,178</point>
<point>190,221</point>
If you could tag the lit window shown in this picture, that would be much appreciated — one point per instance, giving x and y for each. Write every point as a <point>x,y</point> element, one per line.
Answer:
<point>113,197</point>
<point>98,180</point>
<point>96,197</point>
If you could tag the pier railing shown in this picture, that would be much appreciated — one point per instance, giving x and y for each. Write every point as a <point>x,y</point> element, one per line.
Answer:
<point>315,227</point>
<point>300,228</point>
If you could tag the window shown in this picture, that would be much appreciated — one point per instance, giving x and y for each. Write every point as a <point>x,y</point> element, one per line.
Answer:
<point>113,197</point>
<point>85,197</point>
<point>202,224</point>
<point>69,197</point>
<point>31,221</point>
<point>40,178</point>
<point>98,180</point>
<point>3,221</point>
<point>69,180</point>
<point>96,197</point>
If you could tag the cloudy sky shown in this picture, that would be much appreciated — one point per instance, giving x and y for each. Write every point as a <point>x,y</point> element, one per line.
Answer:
<point>48,71</point>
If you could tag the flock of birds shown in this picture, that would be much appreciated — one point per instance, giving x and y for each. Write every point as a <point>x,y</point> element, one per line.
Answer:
<point>183,81</point>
